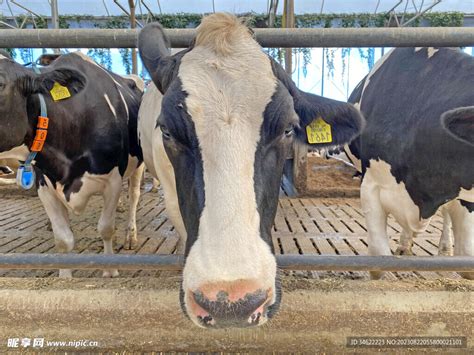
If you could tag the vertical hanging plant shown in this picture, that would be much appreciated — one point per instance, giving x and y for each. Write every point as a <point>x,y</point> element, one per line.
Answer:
<point>126,54</point>
<point>11,51</point>
<point>101,56</point>
<point>345,53</point>
<point>306,59</point>
<point>367,55</point>
<point>330,54</point>
<point>26,55</point>
<point>275,53</point>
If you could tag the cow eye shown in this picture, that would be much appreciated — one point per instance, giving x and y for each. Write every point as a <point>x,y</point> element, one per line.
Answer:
<point>290,130</point>
<point>164,132</point>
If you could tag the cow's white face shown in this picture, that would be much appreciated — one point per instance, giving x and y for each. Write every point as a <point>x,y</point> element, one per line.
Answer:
<point>229,116</point>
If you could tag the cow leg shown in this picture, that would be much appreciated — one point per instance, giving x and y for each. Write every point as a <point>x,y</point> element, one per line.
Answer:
<point>376,220</point>
<point>120,207</point>
<point>59,218</point>
<point>446,241</point>
<point>165,174</point>
<point>155,185</point>
<point>106,226</point>
<point>406,243</point>
<point>463,230</point>
<point>134,183</point>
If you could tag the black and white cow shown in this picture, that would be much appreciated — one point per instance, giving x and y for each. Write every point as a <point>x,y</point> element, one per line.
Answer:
<point>225,115</point>
<point>91,143</point>
<point>411,165</point>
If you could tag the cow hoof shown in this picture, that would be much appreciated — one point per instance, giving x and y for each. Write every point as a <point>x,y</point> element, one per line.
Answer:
<point>445,252</point>
<point>120,208</point>
<point>131,241</point>
<point>65,273</point>
<point>401,250</point>
<point>467,275</point>
<point>377,275</point>
<point>110,273</point>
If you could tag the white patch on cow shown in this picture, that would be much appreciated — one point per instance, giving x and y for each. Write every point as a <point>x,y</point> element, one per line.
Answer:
<point>91,184</point>
<point>227,114</point>
<point>382,195</point>
<point>131,166</point>
<point>108,185</point>
<point>446,241</point>
<point>3,57</point>
<point>463,231</point>
<point>395,198</point>
<point>467,195</point>
<point>18,153</point>
<point>156,159</point>
<point>138,81</point>
<point>356,162</point>
<point>432,51</point>
<point>124,103</point>
<point>110,105</point>
<point>417,49</point>
<point>58,215</point>
<point>376,67</point>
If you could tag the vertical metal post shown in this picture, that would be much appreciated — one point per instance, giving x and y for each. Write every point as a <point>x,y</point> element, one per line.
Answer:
<point>322,70</point>
<point>55,19</point>
<point>133,24</point>
<point>299,151</point>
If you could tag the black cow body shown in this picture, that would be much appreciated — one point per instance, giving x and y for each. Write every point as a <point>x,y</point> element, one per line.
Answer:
<point>89,146</point>
<point>411,165</point>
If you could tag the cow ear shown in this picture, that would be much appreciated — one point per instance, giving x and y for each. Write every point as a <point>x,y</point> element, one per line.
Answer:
<point>323,122</point>
<point>44,82</point>
<point>153,46</point>
<point>460,123</point>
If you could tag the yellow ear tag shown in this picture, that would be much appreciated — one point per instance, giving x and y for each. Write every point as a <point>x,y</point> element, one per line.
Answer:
<point>318,131</point>
<point>59,92</point>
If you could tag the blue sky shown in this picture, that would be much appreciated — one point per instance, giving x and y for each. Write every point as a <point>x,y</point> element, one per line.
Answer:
<point>96,7</point>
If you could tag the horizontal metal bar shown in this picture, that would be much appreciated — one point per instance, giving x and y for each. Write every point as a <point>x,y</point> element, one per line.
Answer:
<point>288,262</point>
<point>269,37</point>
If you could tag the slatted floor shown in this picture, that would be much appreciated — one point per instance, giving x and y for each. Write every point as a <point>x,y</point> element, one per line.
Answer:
<point>302,226</point>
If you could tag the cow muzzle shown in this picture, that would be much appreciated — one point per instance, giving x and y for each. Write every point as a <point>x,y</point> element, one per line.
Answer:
<point>236,304</point>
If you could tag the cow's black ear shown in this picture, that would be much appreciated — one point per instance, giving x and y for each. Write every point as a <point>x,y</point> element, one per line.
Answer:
<point>460,123</point>
<point>44,82</point>
<point>323,122</point>
<point>153,46</point>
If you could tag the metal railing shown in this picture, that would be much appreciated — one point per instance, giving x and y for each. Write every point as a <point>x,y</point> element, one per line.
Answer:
<point>297,37</point>
<point>285,262</point>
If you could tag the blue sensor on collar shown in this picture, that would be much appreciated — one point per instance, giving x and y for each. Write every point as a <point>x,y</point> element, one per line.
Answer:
<point>25,177</point>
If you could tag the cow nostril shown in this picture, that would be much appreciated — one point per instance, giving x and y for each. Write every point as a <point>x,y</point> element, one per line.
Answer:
<point>255,318</point>
<point>224,310</point>
<point>206,320</point>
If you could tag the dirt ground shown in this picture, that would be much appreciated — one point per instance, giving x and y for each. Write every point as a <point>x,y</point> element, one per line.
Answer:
<point>330,178</point>
<point>170,281</point>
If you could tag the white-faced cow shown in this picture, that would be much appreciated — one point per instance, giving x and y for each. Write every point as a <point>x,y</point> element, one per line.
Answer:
<point>226,114</point>
<point>91,141</point>
<point>411,166</point>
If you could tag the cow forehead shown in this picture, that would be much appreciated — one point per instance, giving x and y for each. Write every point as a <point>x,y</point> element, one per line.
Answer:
<point>227,91</point>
